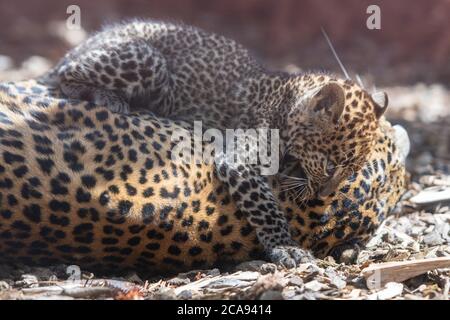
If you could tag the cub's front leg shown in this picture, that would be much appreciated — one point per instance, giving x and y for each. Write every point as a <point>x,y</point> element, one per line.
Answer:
<point>253,196</point>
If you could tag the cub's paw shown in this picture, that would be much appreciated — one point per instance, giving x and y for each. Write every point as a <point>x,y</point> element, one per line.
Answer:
<point>290,256</point>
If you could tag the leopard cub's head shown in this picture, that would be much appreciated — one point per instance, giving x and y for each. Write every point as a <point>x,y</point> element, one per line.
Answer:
<point>331,126</point>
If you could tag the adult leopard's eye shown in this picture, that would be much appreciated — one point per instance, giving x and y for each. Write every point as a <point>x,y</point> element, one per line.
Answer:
<point>330,169</point>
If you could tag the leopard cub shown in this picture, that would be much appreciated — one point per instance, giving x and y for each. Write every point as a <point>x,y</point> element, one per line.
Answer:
<point>327,126</point>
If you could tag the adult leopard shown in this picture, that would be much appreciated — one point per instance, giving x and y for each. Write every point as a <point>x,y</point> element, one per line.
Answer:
<point>80,184</point>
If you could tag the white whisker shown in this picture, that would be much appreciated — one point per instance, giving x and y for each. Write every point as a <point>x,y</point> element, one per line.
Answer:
<point>291,184</point>
<point>298,184</point>
<point>335,54</point>
<point>294,187</point>
<point>287,178</point>
<point>288,187</point>
<point>300,193</point>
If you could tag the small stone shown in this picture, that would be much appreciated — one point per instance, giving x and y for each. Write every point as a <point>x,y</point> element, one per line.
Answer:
<point>178,281</point>
<point>359,282</point>
<point>28,280</point>
<point>392,289</point>
<point>433,239</point>
<point>213,272</point>
<point>228,283</point>
<point>307,295</point>
<point>289,293</point>
<point>315,286</point>
<point>295,281</point>
<point>338,282</point>
<point>271,295</point>
<point>164,293</point>
<point>310,268</point>
<point>335,279</point>
<point>4,285</point>
<point>185,295</point>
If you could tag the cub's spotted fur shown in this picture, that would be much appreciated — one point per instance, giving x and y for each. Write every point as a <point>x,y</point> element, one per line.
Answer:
<point>328,127</point>
<point>82,185</point>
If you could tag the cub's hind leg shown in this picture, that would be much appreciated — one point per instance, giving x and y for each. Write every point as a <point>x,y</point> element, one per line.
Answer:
<point>122,75</point>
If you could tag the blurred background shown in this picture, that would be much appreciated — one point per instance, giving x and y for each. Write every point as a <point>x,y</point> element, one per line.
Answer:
<point>409,57</point>
<point>413,43</point>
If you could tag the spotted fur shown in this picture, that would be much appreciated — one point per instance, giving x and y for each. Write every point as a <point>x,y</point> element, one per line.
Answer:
<point>327,125</point>
<point>182,72</point>
<point>80,184</point>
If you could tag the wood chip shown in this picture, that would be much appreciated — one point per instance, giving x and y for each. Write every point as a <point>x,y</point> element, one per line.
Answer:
<point>377,275</point>
<point>446,289</point>
<point>315,286</point>
<point>391,290</point>
<point>89,292</point>
<point>237,278</point>
<point>432,195</point>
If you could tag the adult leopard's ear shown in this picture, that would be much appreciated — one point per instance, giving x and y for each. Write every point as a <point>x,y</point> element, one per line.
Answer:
<point>329,100</point>
<point>381,101</point>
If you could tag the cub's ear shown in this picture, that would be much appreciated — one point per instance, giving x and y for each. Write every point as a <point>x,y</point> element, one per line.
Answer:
<point>330,101</point>
<point>381,101</point>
